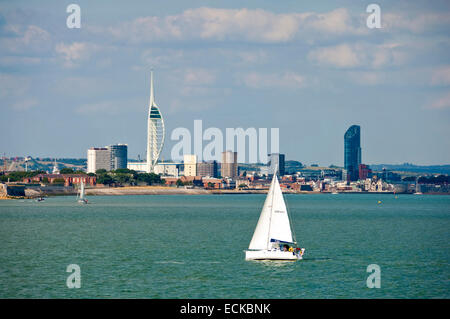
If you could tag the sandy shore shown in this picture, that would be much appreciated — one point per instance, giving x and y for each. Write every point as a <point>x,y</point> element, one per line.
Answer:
<point>145,190</point>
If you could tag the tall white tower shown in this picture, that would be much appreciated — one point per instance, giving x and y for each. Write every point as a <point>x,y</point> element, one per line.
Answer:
<point>155,131</point>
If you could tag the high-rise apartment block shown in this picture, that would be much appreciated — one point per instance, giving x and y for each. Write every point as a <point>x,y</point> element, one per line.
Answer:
<point>207,169</point>
<point>229,165</point>
<point>190,165</point>
<point>109,157</point>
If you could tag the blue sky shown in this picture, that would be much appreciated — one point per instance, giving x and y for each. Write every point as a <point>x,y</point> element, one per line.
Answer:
<point>310,68</point>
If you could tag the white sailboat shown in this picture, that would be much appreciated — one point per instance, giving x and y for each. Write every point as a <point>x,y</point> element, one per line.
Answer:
<point>273,238</point>
<point>81,194</point>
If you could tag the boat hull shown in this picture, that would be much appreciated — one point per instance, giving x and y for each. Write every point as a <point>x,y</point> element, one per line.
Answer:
<point>271,255</point>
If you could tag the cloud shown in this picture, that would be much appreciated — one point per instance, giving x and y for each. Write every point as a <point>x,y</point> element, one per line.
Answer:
<point>440,103</point>
<point>199,77</point>
<point>360,54</point>
<point>76,52</point>
<point>336,22</point>
<point>161,58</point>
<point>258,80</point>
<point>30,40</point>
<point>417,23</point>
<point>249,25</point>
<point>341,56</point>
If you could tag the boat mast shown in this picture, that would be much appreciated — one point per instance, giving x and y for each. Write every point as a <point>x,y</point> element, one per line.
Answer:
<point>272,187</point>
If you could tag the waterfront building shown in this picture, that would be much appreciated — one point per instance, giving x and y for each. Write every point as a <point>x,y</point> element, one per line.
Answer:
<point>98,158</point>
<point>229,166</point>
<point>65,179</point>
<point>137,166</point>
<point>119,156</point>
<point>167,169</point>
<point>207,169</point>
<point>190,165</point>
<point>364,172</point>
<point>352,152</point>
<point>109,157</point>
<point>276,160</point>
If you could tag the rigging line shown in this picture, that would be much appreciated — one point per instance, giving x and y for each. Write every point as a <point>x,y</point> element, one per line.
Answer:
<point>272,187</point>
<point>289,216</point>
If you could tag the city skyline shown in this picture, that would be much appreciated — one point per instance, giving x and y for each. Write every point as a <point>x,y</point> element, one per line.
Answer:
<point>312,77</point>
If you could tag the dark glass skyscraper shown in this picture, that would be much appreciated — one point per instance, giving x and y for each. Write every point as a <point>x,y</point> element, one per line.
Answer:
<point>119,156</point>
<point>352,152</point>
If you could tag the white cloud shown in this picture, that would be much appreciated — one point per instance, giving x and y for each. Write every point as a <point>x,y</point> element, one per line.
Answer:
<point>338,21</point>
<point>258,80</point>
<point>341,56</point>
<point>418,23</point>
<point>360,54</point>
<point>199,77</point>
<point>28,40</point>
<point>440,103</point>
<point>161,58</point>
<point>72,54</point>
<point>250,25</point>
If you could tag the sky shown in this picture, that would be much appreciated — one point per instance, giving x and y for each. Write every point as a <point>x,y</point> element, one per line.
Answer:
<point>310,68</point>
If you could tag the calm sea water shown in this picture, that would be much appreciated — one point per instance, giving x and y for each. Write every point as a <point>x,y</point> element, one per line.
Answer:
<point>192,247</point>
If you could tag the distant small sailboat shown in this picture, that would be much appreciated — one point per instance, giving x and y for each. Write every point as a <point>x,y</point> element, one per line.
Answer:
<point>418,189</point>
<point>273,238</point>
<point>81,194</point>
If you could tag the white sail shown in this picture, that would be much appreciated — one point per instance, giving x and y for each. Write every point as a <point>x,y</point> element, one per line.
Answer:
<point>280,228</point>
<point>261,234</point>
<point>273,223</point>
<point>81,190</point>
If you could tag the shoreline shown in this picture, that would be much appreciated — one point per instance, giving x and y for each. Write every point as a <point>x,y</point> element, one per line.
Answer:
<point>34,192</point>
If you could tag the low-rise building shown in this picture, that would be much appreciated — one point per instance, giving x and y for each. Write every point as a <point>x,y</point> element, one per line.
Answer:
<point>69,179</point>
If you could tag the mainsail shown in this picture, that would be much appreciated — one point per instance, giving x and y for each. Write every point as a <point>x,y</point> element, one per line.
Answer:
<point>273,223</point>
<point>82,190</point>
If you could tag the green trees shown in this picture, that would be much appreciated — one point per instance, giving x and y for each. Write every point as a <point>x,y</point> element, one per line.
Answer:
<point>149,178</point>
<point>19,176</point>
<point>124,176</point>
<point>67,170</point>
<point>179,183</point>
<point>104,179</point>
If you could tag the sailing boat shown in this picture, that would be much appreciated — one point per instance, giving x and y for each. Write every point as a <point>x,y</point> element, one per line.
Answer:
<point>273,238</point>
<point>82,197</point>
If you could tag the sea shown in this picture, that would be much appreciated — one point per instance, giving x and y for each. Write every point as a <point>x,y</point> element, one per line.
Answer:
<point>192,246</point>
